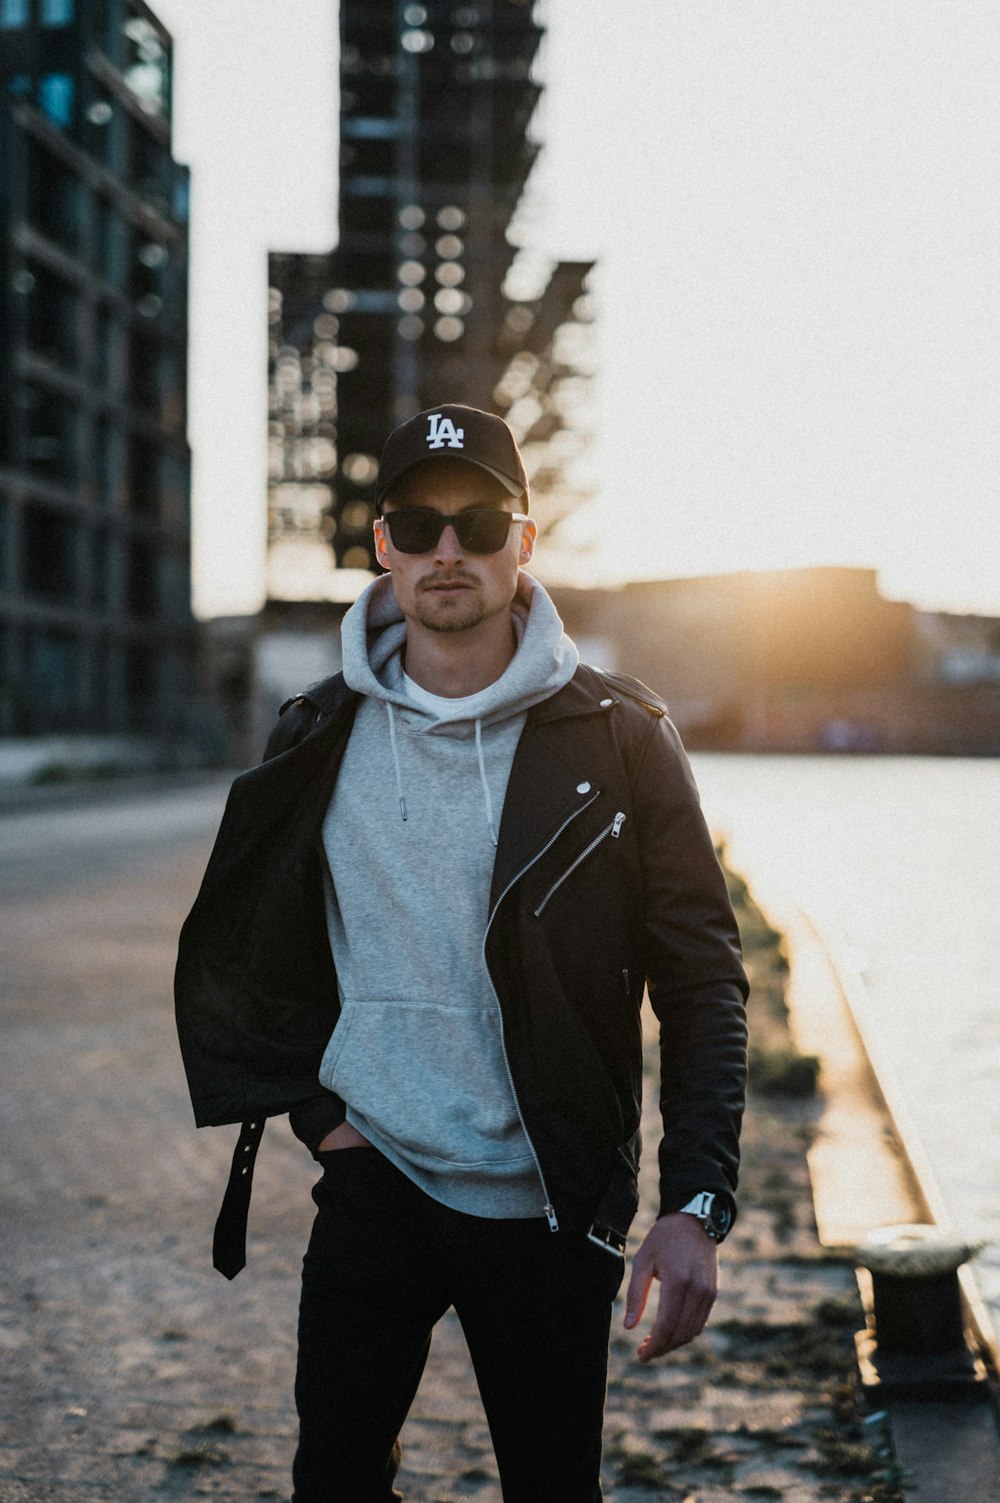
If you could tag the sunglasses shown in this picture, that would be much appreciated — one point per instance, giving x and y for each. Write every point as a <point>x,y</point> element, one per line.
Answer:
<point>418,529</point>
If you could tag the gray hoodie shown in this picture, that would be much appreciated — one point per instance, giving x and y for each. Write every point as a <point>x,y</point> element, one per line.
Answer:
<point>410,839</point>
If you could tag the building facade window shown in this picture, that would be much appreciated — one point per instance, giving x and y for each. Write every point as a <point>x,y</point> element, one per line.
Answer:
<point>106,463</point>
<point>57,12</point>
<point>53,662</point>
<point>13,13</point>
<point>99,571</point>
<point>111,242</point>
<point>53,321</point>
<point>105,347</point>
<point>182,199</point>
<point>104,127</point>
<point>140,683</point>
<point>143,475</point>
<point>6,572</point>
<point>146,165</point>
<point>50,562</point>
<point>54,197</point>
<point>55,98</point>
<point>50,434</point>
<point>143,379</point>
<point>141,594</point>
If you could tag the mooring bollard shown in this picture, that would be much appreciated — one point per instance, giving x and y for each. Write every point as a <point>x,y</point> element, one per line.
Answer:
<point>915,1345</point>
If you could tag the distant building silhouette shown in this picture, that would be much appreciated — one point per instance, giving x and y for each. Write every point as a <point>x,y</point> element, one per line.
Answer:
<point>96,633</point>
<point>411,308</point>
<point>808,659</point>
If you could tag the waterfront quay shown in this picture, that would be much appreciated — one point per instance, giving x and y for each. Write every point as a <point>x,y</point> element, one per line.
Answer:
<point>134,1372</point>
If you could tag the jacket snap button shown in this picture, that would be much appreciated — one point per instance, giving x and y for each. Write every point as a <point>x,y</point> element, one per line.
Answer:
<point>606,704</point>
<point>583,787</point>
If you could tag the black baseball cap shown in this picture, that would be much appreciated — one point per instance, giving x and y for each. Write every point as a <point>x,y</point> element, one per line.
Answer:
<point>453,431</point>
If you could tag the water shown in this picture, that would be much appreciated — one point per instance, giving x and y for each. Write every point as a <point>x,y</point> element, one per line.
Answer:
<point>895,860</point>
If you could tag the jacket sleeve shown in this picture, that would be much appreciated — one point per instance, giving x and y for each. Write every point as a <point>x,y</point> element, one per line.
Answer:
<point>313,1118</point>
<point>697,984</point>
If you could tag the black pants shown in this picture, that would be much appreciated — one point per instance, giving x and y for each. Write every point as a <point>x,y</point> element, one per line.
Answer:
<point>384,1263</point>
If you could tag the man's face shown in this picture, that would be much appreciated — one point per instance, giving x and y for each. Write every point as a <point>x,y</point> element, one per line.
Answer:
<point>448,588</point>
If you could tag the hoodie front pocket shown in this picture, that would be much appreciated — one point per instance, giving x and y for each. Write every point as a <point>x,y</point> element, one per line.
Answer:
<point>337,1043</point>
<point>612,831</point>
<point>431,1080</point>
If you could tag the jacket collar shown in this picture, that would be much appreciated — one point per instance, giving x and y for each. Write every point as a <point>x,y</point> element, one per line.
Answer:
<point>585,694</point>
<point>552,779</point>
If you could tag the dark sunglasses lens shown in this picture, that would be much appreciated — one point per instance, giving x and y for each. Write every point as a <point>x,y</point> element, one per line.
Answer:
<point>418,531</point>
<point>483,531</point>
<point>414,531</point>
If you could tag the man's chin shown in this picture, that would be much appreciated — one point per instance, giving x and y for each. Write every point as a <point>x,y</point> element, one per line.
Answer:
<point>449,616</point>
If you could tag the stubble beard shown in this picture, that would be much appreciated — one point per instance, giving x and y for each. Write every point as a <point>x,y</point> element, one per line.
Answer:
<point>460,614</point>
<point>451,617</point>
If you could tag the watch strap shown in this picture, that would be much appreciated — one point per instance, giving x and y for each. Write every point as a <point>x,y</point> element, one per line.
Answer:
<point>714,1216</point>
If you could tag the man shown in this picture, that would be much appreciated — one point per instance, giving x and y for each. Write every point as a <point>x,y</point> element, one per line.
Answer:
<point>425,932</point>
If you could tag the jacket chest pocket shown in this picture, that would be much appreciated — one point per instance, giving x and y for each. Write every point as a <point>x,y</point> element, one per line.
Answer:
<point>611,831</point>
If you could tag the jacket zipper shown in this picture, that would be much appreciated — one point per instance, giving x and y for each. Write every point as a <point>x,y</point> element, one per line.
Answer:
<point>614,829</point>
<point>549,1209</point>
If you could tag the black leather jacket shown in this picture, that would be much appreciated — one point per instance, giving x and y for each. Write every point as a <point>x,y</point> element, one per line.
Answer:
<point>605,880</point>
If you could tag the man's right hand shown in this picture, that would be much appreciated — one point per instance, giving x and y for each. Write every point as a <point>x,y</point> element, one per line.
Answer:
<point>678,1253</point>
<point>344,1136</point>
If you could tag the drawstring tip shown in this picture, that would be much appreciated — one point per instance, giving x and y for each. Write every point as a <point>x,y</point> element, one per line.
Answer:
<point>402,808</point>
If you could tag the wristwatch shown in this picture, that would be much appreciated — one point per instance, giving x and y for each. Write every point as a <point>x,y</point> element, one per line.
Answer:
<point>714,1215</point>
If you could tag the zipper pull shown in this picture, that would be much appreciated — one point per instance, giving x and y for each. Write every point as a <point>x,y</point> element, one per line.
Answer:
<point>550,1216</point>
<point>616,828</point>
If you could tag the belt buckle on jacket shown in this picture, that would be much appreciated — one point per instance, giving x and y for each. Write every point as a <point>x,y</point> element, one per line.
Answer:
<point>606,1238</point>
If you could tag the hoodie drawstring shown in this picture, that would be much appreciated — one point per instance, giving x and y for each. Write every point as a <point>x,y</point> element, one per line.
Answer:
<point>482,770</point>
<point>395,759</point>
<point>483,780</point>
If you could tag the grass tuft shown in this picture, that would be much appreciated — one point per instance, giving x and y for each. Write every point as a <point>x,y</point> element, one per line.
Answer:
<point>641,1469</point>
<point>193,1458</point>
<point>783,1071</point>
<point>841,1455</point>
<point>222,1424</point>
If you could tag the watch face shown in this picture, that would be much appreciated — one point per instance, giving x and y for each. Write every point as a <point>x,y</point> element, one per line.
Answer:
<point>720,1218</point>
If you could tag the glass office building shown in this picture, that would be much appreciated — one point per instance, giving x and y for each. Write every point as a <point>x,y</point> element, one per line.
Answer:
<point>96,633</point>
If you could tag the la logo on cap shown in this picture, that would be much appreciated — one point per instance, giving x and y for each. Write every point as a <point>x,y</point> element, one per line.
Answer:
<point>442,430</point>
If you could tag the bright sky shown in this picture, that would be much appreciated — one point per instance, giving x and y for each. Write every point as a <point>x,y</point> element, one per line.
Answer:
<point>796,207</point>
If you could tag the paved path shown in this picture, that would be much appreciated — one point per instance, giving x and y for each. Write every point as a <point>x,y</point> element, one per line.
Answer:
<point>132,1371</point>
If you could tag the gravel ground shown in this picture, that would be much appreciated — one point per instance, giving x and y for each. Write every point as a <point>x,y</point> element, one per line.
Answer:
<point>134,1372</point>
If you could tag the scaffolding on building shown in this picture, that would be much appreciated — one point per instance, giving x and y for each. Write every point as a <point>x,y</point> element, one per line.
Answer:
<point>414,306</point>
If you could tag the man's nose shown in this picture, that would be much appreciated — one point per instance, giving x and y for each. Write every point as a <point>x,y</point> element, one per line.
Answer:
<point>448,546</point>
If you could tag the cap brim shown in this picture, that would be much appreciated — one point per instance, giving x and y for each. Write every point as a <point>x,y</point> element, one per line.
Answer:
<point>512,486</point>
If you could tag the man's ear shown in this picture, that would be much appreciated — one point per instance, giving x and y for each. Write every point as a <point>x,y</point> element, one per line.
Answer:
<point>529,532</point>
<point>380,549</point>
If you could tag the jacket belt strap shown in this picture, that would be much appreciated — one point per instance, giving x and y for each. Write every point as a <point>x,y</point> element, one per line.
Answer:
<point>607,1238</point>
<point>229,1245</point>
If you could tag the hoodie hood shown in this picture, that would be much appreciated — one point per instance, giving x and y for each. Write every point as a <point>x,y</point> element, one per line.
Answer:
<point>373,636</point>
